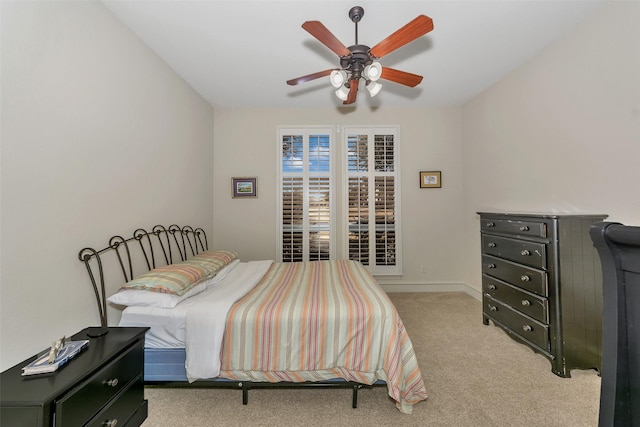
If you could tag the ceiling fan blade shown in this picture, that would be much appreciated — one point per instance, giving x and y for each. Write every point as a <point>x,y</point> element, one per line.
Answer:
<point>401,77</point>
<point>353,92</point>
<point>309,77</point>
<point>320,32</point>
<point>414,29</point>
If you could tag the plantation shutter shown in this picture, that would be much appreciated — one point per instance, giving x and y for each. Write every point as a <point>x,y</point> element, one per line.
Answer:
<point>373,227</point>
<point>306,220</point>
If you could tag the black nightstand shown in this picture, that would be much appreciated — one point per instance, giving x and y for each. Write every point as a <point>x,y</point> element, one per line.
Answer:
<point>102,386</point>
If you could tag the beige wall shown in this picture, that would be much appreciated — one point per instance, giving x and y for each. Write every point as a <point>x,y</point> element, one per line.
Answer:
<point>246,145</point>
<point>98,136</point>
<point>562,133</point>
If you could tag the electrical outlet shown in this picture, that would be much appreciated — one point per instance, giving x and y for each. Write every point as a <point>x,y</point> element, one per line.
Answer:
<point>423,269</point>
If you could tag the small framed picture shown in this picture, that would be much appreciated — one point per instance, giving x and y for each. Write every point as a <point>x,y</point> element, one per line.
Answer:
<point>244,187</point>
<point>430,179</point>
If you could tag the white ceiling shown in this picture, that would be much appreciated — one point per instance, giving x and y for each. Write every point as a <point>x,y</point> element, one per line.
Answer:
<point>239,54</point>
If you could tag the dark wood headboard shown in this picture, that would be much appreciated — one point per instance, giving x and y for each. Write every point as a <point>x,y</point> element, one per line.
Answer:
<point>619,249</point>
<point>161,246</point>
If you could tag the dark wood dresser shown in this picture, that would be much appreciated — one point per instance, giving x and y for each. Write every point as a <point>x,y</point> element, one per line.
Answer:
<point>542,284</point>
<point>101,386</point>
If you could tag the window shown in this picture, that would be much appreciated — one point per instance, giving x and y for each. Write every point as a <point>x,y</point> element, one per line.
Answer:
<point>369,212</point>
<point>306,196</point>
<point>372,199</point>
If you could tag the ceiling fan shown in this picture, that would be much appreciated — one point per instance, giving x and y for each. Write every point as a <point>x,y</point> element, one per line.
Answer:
<point>360,61</point>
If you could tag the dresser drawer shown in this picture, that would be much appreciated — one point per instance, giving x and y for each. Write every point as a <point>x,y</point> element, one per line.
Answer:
<point>525,327</point>
<point>81,403</point>
<point>516,227</point>
<point>121,409</point>
<point>521,251</point>
<point>528,278</point>
<point>525,302</point>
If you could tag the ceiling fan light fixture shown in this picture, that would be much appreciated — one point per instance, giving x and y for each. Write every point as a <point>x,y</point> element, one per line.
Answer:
<point>342,93</point>
<point>337,78</point>
<point>374,88</point>
<point>373,71</point>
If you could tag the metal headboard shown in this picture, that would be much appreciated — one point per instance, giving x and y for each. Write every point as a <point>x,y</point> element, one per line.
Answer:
<point>182,242</point>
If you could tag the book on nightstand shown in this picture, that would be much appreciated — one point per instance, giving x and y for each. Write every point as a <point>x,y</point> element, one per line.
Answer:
<point>55,358</point>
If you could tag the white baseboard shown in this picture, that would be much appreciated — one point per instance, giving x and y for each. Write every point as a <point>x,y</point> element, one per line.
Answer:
<point>433,287</point>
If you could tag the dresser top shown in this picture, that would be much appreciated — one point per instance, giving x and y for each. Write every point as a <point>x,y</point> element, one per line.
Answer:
<point>548,215</point>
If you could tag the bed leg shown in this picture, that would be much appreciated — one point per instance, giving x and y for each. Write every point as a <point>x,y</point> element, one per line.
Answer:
<point>245,393</point>
<point>354,403</point>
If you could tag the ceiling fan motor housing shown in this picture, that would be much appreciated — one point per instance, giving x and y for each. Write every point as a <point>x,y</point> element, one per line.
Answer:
<point>359,59</point>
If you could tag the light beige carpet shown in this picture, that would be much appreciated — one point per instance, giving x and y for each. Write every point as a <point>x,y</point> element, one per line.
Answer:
<point>475,375</point>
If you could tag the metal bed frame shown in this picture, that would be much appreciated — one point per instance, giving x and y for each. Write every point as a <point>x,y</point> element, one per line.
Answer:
<point>176,244</point>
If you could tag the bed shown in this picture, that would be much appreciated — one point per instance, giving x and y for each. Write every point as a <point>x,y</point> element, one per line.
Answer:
<point>255,324</point>
<point>619,249</point>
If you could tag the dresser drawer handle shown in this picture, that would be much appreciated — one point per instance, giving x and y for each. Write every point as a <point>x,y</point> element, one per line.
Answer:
<point>524,228</point>
<point>491,266</point>
<point>525,278</point>
<point>527,328</point>
<point>491,224</point>
<point>492,287</point>
<point>491,245</point>
<point>525,252</point>
<point>526,302</point>
<point>493,307</point>
<point>110,423</point>
<point>111,383</point>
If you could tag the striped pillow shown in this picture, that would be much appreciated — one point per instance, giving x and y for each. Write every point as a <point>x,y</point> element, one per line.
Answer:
<point>214,260</point>
<point>178,279</point>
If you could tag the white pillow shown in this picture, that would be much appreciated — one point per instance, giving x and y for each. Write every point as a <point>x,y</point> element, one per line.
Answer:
<point>143,298</point>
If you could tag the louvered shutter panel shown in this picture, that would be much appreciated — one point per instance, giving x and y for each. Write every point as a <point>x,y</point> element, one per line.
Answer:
<point>372,199</point>
<point>306,193</point>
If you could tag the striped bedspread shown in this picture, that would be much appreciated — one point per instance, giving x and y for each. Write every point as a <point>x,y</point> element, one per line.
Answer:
<point>320,320</point>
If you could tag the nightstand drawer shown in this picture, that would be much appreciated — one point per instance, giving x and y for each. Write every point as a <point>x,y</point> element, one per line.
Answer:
<point>122,408</point>
<point>516,227</point>
<point>525,302</point>
<point>524,277</point>
<point>531,330</point>
<point>521,251</point>
<point>81,403</point>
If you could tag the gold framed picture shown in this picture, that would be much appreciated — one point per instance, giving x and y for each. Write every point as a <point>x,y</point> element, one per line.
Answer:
<point>430,179</point>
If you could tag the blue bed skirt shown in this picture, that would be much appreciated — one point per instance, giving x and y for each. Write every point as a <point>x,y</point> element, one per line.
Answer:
<point>167,365</point>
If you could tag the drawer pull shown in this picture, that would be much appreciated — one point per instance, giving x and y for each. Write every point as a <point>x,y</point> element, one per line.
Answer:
<point>111,383</point>
<point>491,224</point>
<point>491,266</point>
<point>491,245</point>
<point>524,228</point>
<point>110,423</point>
<point>526,302</point>
<point>493,307</point>
<point>527,328</point>
<point>492,287</point>
<point>525,252</point>
<point>525,278</point>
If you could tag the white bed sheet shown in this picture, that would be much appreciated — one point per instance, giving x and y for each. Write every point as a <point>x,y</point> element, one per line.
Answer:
<point>197,323</point>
